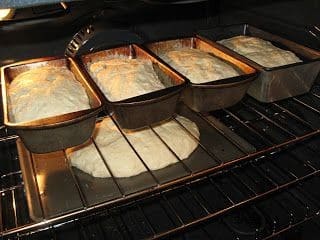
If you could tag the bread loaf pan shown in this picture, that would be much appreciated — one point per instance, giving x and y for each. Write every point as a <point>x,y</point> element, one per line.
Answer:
<point>278,82</point>
<point>146,109</point>
<point>215,94</point>
<point>58,132</point>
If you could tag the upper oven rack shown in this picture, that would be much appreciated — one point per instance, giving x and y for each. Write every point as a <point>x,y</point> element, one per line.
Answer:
<point>267,127</point>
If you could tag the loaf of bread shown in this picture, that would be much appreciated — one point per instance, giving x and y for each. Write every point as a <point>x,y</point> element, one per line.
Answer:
<point>123,78</point>
<point>45,92</point>
<point>199,66</point>
<point>260,51</point>
<point>120,157</point>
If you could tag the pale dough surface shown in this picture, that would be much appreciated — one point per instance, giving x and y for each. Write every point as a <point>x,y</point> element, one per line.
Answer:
<point>260,51</point>
<point>199,66</point>
<point>45,92</point>
<point>120,157</point>
<point>122,78</point>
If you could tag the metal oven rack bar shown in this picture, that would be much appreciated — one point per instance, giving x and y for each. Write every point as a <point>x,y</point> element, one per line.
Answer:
<point>267,127</point>
<point>220,230</point>
<point>290,227</point>
<point>174,211</point>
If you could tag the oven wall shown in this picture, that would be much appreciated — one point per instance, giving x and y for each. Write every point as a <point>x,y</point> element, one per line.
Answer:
<point>49,36</point>
<point>156,22</point>
<point>289,18</point>
<point>45,37</point>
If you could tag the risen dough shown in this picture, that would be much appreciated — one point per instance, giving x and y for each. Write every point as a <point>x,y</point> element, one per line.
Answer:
<point>120,157</point>
<point>260,51</point>
<point>199,66</point>
<point>45,92</point>
<point>123,78</point>
<point>273,58</point>
<point>81,155</point>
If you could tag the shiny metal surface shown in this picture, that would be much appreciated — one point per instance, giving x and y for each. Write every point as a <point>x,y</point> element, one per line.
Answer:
<point>276,83</point>
<point>143,110</point>
<point>95,190</point>
<point>124,190</point>
<point>48,174</point>
<point>45,173</point>
<point>31,188</point>
<point>215,94</point>
<point>54,133</point>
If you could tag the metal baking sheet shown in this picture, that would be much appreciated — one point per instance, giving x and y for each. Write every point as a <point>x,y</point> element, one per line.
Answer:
<point>166,174</point>
<point>146,109</point>
<point>171,173</point>
<point>128,185</point>
<point>95,190</point>
<point>58,132</point>
<point>45,174</point>
<point>230,135</point>
<point>211,138</point>
<point>137,183</point>
<point>199,159</point>
<point>275,83</point>
<point>52,172</point>
<point>32,193</point>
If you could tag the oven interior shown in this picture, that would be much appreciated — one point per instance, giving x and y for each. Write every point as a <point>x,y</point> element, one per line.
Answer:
<point>258,175</point>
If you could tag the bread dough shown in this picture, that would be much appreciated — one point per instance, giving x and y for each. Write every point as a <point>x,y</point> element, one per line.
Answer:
<point>199,66</point>
<point>45,92</point>
<point>273,58</point>
<point>121,158</point>
<point>246,44</point>
<point>122,78</point>
<point>79,157</point>
<point>177,138</point>
<point>260,51</point>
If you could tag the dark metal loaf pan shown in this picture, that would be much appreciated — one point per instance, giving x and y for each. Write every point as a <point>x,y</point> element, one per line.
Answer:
<point>215,94</point>
<point>58,132</point>
<point>278,82</point>
<point>146,109</point>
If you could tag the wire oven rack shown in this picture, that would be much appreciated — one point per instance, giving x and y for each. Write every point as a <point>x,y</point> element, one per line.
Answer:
<point>266,127</point>
<point>286,199</point>
<point>295,224</point>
